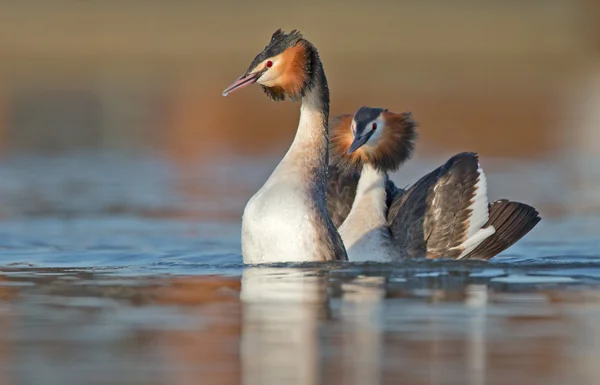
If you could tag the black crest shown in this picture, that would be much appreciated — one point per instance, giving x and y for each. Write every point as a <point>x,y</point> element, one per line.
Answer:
<point>280,41</point>
<point>364,116</point>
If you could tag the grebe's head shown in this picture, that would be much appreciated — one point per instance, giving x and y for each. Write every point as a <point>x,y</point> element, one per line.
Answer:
<point>373,135</point>
<point>282,68</point>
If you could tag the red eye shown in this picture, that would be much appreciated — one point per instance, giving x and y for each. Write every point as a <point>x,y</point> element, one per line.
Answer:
<point>269,64</point>
<point>374,126</point>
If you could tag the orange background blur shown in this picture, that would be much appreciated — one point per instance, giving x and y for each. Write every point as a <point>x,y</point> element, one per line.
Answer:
<point>497,77</point>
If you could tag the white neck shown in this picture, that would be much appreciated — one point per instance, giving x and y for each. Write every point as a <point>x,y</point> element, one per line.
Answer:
<point>365,231</point>
<point>369,205</point>
<point>308,154</point>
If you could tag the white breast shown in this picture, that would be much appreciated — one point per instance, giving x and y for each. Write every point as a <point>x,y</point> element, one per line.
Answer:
<point>277,226</point>
<point>365,244</point>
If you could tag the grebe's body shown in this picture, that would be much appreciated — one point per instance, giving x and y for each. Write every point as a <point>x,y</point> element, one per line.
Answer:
<point>287,219</point>
<point>443,215</point>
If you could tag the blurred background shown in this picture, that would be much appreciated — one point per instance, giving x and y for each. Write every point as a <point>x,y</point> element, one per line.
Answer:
<point>124,173</point>
<point>516,80</point>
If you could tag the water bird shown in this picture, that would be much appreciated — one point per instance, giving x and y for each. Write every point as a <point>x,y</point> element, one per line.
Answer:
<point>287,219</point>
<point>445,214</point>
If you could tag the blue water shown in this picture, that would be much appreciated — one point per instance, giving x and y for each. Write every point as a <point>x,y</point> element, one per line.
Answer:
<point>127,269</point>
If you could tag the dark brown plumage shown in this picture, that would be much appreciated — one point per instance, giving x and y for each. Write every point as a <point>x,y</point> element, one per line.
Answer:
<point>431,220</point>
<point>432,217</point>
<point>512,220</point>
<point>341,190</point>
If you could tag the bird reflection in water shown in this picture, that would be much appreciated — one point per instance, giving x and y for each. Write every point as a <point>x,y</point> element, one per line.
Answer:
<point>282,311</point>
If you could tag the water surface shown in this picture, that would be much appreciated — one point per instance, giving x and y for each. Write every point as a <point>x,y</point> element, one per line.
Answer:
<point>127,270</point>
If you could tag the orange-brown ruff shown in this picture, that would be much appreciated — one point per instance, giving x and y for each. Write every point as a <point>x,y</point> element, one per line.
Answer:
<point>293,74</point>
<point>396,145</point>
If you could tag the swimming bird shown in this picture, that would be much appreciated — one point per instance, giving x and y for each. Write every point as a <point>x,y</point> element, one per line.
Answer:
<point>445,214</point>
<point>287,219</point>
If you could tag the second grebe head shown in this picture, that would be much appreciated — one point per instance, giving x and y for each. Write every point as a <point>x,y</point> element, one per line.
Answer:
<point>282,68</point>
<point>373,135</point>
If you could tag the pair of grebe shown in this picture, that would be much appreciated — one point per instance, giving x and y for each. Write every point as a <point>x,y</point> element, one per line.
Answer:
<point>331,198</point>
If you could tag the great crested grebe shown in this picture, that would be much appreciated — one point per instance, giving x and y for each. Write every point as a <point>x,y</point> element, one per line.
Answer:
<point>287,220</point>
<point>445,214</point>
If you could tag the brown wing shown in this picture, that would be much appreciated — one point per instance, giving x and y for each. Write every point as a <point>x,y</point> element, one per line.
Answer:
<point>341,190</point>
<point>432,217</point>
<point>512,220</point>
<point>392,192</point>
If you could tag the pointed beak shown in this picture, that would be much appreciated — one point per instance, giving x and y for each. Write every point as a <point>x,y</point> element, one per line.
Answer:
<point>244,81</point>
<point>358,142</point>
